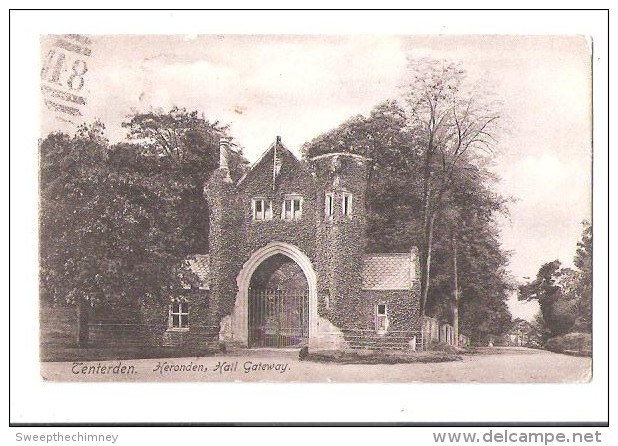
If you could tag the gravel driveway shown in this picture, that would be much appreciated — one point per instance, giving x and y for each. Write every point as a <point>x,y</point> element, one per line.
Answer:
<point>489,365</point>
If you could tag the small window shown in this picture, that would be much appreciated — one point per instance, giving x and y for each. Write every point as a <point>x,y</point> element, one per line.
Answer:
<point>346,204</point>
<point>179,314</point>
<point>262,209</point>
<point>329,205</point>
<point>381,318</point>
<point>292,208</point>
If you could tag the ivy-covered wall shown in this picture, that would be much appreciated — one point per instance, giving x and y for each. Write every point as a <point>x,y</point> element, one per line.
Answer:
<point>235,235</point>
<point>201,332</point>
<point>340,239</point>
<point>294,179</point>
<point>225,241</point>
<point>402,308</point>
<point>334,245</point>
<point>404,325</point>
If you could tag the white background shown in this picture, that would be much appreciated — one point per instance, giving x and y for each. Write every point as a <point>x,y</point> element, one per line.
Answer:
<point>35,401</point>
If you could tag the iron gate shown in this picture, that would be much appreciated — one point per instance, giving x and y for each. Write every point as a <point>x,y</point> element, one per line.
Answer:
<point>278,318</point>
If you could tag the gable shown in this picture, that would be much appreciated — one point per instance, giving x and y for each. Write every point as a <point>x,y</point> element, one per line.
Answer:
<point>285,166</point>
<point>395,271</point>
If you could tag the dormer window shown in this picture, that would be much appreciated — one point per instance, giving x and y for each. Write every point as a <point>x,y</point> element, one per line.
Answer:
<point>346,205</point>
<point>329,205</point>
<point>292,208</point>
<point>262,209</point>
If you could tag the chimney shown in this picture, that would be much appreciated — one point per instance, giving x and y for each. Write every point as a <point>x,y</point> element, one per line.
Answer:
<point>224,150</point>
<point>224,147</point>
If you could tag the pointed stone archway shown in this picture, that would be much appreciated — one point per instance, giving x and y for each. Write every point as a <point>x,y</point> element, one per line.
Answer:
<point>238,324</point>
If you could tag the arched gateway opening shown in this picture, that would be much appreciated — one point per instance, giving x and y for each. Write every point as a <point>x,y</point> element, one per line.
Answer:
<point>278,299</point>
<point>276,305</point>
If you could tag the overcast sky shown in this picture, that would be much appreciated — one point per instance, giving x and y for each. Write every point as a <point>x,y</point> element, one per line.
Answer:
<point>301,86</point>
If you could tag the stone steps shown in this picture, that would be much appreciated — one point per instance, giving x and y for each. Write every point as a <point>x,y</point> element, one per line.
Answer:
<point>373,341</point>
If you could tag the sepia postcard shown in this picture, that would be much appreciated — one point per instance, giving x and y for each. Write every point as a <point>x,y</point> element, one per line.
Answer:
<point>290,208</point>
<point>327,220</point>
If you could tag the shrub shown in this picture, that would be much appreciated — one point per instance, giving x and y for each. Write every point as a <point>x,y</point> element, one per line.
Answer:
<point>380,357</point>
<point>571,343</point>
<point>303,353</point>
<point>435,346</point>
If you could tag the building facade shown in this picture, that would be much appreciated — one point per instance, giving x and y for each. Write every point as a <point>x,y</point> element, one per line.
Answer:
<point>287,267</point>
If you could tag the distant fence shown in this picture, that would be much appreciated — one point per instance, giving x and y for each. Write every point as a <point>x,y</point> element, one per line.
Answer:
<point>433,331</point>
<point>58,328</point>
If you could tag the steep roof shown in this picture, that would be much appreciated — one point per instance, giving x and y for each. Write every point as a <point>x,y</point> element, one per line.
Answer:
<point>395,271</point>
<point>268,155</point>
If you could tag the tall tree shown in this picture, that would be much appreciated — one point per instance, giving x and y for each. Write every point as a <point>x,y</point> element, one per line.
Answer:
<point>552,288</point>
<point>109,234</point>
<point>174,153</point>
<point>84,220</point>
<point>483,283</point>
<point>395,215</point>
<point>117,223</point>
<point>452,124</point>
<point>468,219</point>
<point>393,191</point>
<point>565,294</point>
<point>583,262</point>
<point>183,146</point>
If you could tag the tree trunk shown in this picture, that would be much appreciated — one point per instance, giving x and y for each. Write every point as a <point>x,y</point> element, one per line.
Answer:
<point>427,231</point>
<point>83,314</point>
<point>455,292</point>
<point>426,269</point>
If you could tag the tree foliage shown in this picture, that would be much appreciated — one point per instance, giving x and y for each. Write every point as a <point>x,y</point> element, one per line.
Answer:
<point>393,190</point>
<point>583,263</point>
<point>184,139</point>
<point>181,146</point>
<point>564,294</point>
<point>483,280</point>
<point>428,184</point>
<point>117,223</point>
<point>452,125</point>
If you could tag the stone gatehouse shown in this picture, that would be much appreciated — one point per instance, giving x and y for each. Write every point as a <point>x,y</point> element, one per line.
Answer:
<point>287,265</point>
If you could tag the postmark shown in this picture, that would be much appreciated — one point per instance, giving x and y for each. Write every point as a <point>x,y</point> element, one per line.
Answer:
<point>64,74</point>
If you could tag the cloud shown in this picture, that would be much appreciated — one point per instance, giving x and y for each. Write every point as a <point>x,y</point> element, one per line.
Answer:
<point>554,197</point>
<point>301,86</point>
<point>548,171</point>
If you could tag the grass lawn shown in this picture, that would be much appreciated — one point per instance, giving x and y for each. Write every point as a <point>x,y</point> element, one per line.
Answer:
<point>381,357</point>
<point>64,353</point>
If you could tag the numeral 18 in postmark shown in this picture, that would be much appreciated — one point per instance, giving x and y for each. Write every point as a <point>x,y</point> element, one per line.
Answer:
<point>63,75</point>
